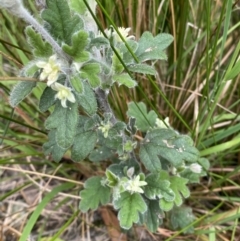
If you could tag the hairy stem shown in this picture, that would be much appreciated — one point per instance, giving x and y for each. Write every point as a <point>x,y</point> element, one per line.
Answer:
<point>102,99</point>
<point>24,14</point>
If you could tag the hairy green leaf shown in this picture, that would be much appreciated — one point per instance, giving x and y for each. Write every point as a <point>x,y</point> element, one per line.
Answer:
<point>191,176</point>
<point>20,91</point>
<point>79,6</point>
<point>112,179</point>
<point>149,157</point>
<point>113,143</point>
<point>144,121</point>
<point>30,69</point>
<point>178,185</point>
<point>76,83</point>
<point>100,154</point>
<point>124,79</point>
<point>156,185</point>
<point>169,146</point>
<point>94,194</point>
<point>151,48</point>
<point>65,121</point>
<point>126,55</point>
<point>165,205</point>
<point>117,129</point>
<point>90,72</point>
<point>40,48</point>
<point>47,99</point>
<point>119,169</point>
<point>204,163</point>
<point>130,206</point>
<point>182,217</point>
<point>152,55</point>
<point>92,122</point>
<point>87,99</point>
<point>152,218</point>
<point>117,66</point>
<point>142,68</point>
<point>99,42</point>
<point>76,49</point>
<point>61,23</point>
<point>83,144</point>
<point>52,148</point>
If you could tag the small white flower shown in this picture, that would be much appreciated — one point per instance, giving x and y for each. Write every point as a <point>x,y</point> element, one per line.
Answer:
<point>124,32</point>
<point>196,168</point>
<point>64,94</point>
<point>104,128</point>
<point>134,185</point>
<point>50,69</point>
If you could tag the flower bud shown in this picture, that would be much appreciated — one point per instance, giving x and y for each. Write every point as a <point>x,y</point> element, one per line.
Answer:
<point>196,168</point>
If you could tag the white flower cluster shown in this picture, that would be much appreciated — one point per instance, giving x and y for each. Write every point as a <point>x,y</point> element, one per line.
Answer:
<point>50,71</point>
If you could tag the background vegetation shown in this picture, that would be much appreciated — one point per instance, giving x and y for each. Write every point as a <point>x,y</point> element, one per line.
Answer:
<point>191,89</point>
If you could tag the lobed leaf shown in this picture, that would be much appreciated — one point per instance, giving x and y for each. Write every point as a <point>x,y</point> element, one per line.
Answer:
<point>156,185</point>
<point>182,217</point>
<point>126,55</point>
<point>94,194</point>
<point>78,44</point>
<point>165,205</point>
<point>61,23</point>
<point>79,6</point>
<point>144,121</point>
<point>124,79</point>
<point>151,48</point>
<point>64,120</point>
<point>167,145</point>
<point>130,205</point>
<point>152,218</point>
<point>178,185</point>
<point>41,48</point>
<point>90,72</point>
